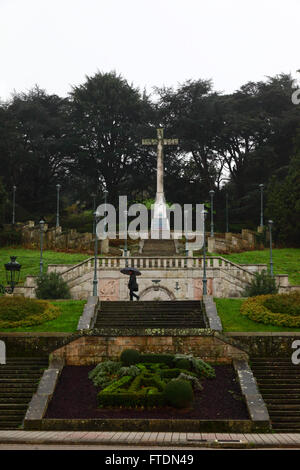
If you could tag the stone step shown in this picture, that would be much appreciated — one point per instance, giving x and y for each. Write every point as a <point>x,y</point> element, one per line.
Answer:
<point>291,420</point>
<point>21,399</point>
<point>283,381</point>
<point>284,406</point>
<point>11,415</point>
<point>10,424</point>
<point>12,406</point>
<point>282,399</point>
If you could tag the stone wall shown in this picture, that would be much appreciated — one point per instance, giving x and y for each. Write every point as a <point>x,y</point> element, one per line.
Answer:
<point>56,239</point>
<point>266,344</point>
<point>94,349</point>
<point>234,242</point>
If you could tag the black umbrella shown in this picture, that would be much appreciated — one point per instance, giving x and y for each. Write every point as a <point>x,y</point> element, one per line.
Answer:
<point>127,271</point>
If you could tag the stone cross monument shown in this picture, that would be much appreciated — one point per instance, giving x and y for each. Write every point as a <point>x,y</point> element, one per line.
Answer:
<point>160,227</point>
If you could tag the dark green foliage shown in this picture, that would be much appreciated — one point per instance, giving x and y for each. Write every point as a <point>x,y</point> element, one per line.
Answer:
<point>288,304</point>
<point>164,358</point>
<point>173,373</point>
<point>143,384</point>
<point>20,311</point>
<point>263,283</point>
<point>283,204</point>
<point>183,364</point>
<point>204,369</point>
<point>10,238</point>
<point>129,357</point>
<point>52,286</point>
<point>179,393</point>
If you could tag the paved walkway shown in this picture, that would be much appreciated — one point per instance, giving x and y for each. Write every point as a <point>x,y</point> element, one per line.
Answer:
<point>161,439</point>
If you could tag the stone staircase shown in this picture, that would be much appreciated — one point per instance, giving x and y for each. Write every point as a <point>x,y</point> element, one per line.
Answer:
<point>159,248</point>
<point>150,314</point>
<point>279,383</point>
<point>19,379</point>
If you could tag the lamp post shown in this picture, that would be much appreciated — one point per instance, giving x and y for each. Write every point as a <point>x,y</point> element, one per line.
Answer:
<point>227,218</point>
<point>261,205</point>
<point>270,222</point>
<point>12,272</point>
<point>94,209</point>
<point>58,186</point>
<point>204,213</point>
<point>95,280</point>
<point>211,192</point>
<point>125,241</point>
<point>42,225</point>
<point>14,206</point>
<point>186,235</point>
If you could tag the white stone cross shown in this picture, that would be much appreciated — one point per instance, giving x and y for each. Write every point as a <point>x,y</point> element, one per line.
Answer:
<point>160,227</point>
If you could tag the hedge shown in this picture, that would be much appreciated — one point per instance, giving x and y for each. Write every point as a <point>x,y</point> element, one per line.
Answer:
<point>256,309</point>
<point>19,311</point>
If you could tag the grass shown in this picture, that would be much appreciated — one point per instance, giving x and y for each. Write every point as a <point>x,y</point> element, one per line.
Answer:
<point>233,320</point>
<point>286,261</point>
<point>67,321</point>
<point>30,260</point>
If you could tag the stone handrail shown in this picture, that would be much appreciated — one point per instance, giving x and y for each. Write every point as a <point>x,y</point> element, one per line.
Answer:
<point>151,262</point>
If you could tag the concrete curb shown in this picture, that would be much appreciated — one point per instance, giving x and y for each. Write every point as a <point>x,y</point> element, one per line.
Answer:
<point>88,317</point>
<point>39,402</point>
<point>214,321</point>
<point>255,403</point>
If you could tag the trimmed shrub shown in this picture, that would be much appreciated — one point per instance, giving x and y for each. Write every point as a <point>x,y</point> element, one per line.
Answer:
<point>20,311</point>
<point>163,358</point>
<point>284,303</point>
<point>52,286</point>
<point>255,308</point>
<point>130,357</point>
<point>183,363</point>
<point>204,369</point>
<point>179,393</point>
<point>131,371</point>
<point>104,373</point>
<point>263,283</point>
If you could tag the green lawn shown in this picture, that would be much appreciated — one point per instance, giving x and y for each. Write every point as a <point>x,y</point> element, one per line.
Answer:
<point>30,260</point>
<point>286,261</point>
<point>233,320</point>
<point>66,322</point>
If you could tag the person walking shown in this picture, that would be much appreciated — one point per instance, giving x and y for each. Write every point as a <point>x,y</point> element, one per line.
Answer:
<point>133,286</point>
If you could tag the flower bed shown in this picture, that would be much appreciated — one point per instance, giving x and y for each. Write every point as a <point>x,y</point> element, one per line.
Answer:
<point>279,309</point>
<point>149,380</point>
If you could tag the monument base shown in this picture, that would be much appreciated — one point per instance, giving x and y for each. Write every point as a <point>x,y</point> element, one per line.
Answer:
<point>160,226</point>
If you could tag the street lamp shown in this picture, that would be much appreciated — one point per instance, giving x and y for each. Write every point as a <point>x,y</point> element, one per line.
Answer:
<point>58,186</point>
<point>42,225</point>
<point>261,205</point>
<point>95,280</point>
<point>125,234</point>
<point>186,236</point>
<point>204,213</point>
<point>270,222</point>
<point>12,272</point>
<point>14,206</point>
<point>94,209</point>
<point>227,218</point>
<point>211,192</point>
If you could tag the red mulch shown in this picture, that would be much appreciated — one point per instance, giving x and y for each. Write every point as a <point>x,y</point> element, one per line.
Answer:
<point>75,397</point>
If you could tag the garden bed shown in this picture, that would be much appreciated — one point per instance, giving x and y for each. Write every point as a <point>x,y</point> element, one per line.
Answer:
<point>75,398</point>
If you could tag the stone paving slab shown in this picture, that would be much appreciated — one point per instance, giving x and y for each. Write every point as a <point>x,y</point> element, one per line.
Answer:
<point>140,439</point>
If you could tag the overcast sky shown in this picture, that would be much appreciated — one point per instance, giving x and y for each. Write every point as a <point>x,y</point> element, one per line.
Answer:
<point>56,43</point>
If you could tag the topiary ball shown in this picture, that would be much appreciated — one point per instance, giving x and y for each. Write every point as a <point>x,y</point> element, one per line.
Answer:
<point>179,393</point>
<point>183,364</point>
<point>129,357</point>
